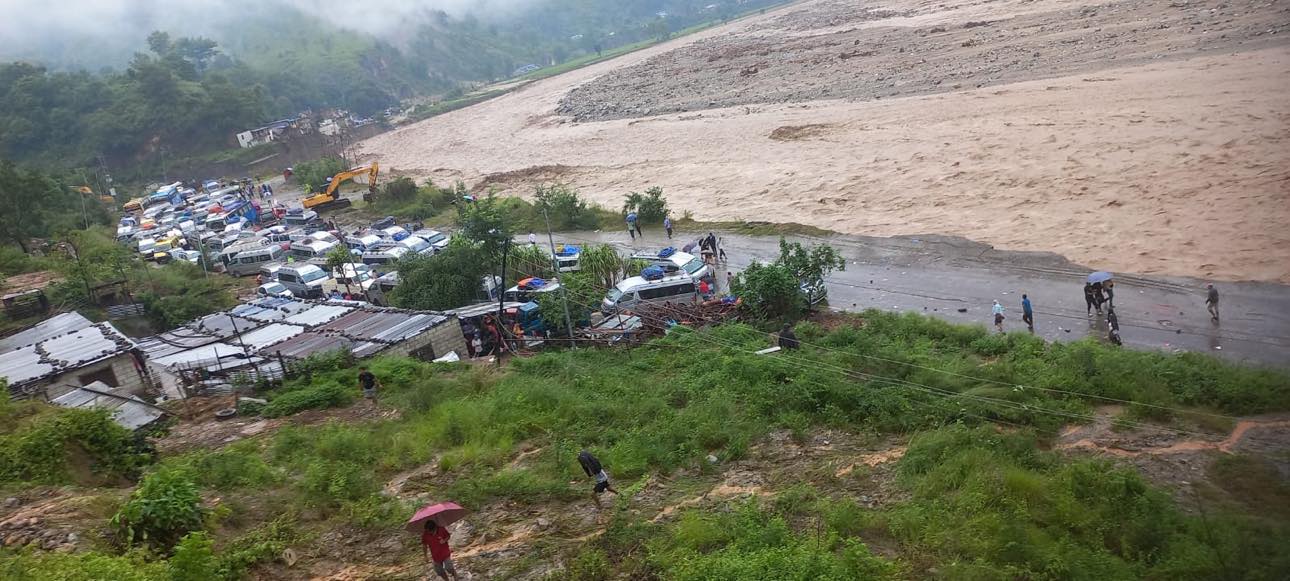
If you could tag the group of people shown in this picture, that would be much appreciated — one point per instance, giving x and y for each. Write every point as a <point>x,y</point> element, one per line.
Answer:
<point>484,339</point>
<point>1096,294</point>
<point>711,249</point>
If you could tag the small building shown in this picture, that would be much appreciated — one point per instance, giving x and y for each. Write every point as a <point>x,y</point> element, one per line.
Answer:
<point>68,351</point>
<point>254,339</point>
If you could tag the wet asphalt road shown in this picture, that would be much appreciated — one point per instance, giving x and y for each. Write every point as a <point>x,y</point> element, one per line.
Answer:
<point>941,276</point>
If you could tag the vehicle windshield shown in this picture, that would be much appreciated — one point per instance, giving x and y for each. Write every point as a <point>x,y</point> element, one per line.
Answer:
<point>694,265</point>
<point>614,295</point>
<point>436,238</point>
<point>312,275</point>
<point>418,244</point>
<point>274,288</point>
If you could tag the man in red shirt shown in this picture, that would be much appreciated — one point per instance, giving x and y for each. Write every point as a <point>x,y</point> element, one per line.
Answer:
<point>435,543</point>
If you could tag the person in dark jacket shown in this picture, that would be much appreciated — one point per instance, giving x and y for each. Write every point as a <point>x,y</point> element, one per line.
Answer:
<point>787,338</point>
<point>1109,288</point>
<point>592,467</point>
<point>1089,300</point>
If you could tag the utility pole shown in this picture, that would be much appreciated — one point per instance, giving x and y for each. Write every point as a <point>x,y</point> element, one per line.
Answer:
<point>501,302</point>
<point>555,267</point>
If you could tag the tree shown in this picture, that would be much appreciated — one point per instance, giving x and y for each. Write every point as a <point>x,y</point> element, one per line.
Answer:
<point>566,210</point>
<point>770,292</point>
<point>336,261</point>
<point>650,207</point>
<point>525,261</point>
<point>484,222</point>
<point>447,280</point>
<point>811,266</point>
<point>603,263</point>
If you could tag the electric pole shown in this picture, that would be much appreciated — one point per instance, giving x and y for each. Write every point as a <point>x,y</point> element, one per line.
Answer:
<point>555,266</point>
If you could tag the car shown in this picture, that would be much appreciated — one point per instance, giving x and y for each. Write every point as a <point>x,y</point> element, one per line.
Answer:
<point>438,240</point>
<point>273,289</point>
<point>180,254</point>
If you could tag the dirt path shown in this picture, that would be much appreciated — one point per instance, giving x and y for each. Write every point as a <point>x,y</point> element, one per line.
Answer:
<point>1164,165</point>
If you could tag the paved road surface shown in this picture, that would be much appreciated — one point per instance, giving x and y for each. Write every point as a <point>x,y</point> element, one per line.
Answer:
<point>940,276</point>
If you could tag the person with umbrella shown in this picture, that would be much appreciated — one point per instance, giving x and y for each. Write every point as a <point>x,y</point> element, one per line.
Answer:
<point>433,521</point>
<point>1093,290</point>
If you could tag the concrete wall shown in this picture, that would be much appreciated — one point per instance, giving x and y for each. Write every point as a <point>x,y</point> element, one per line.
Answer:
<point>442,339</point>
<point>122,367</point>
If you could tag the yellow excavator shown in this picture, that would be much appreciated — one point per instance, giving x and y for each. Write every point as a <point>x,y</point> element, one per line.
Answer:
<point>329,199</point>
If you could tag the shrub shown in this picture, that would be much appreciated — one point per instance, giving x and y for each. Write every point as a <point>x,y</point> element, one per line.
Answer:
<point>194,558</point>
<point>650,207</point>
<point>566,210</point>
<point>237,466</point>
<point>40,450</point>
<point>323,396</point>
<point>40,566</point>
<point>314,174</point>
<point>769,292</point>
<point>164,508</point>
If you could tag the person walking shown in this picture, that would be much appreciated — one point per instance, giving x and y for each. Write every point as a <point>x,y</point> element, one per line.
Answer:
<point>1109,287</point>
<point>1089,301</point>
<point>434,543</point>
<point>1027,313</point>
<point>667,225</point>
<point>632,228</point>
<point>1099,296</point>
<point>532,238</point>
<point>730,280</point>
<point>1113,327</point>
<point>1211,301</point>
<point>998,316</point>
<point>368,382</point>
<point>787,338</point>
<point>592,467</point>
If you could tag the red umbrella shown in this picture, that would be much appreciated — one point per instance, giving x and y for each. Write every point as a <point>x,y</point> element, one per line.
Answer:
<point>443,514</point>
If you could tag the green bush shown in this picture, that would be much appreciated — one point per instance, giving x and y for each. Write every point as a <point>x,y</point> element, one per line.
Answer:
<point>238,466</point>
<point>41,566</point>
<point>650,207</point>
<point>262,544</point>
<point>41,449</point>
<point>769,292</point>
<point>194,558</point>
<point>314,174</point>
<point>164,508</point>
<point>566,209</point>
<point>323,396</point>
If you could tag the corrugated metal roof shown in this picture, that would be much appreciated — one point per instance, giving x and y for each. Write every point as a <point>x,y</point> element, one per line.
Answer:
<point>201,356</point>
<point>482,309</point>
<point>367,349</point>
<point>222,325</point>
<point>268,335</point>
<point>172,342</point>
<point>319,315</point>
<point>384,326</point>
<point>22,365</point>
<point>308,343</point>
<point>62,353</point>
<point>131,412</point>
<point>49,328</point>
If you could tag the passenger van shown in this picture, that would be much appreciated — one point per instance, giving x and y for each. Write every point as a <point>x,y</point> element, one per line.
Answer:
<point>362,243</point>
<point>386,255</point>
<point>523,293</point>
<point>300,219</point>
<point>417,245</point>
<point>380,290</point>
<point>305,281</point>
<point>228,256</point>
<point>438,240</point>
<point>311,248</point>
<point>637,291</point>
<point>676,261</point>
<point>249,261</point>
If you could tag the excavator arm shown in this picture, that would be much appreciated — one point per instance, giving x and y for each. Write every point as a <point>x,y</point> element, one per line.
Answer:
<point>329,198</point>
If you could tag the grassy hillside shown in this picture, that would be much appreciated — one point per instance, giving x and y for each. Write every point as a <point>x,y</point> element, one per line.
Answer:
<point>888,447</point>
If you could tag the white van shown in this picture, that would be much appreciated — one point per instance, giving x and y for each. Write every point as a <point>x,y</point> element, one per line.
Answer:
<point>304,281</point>
<point>438,240</point>
<point>417,245</point>
<point>380,290</point>
<point>524,295</point>
<point>636,291</point>
<point>362,243</point>
<point>677,261</point>
<point>311,248</point>
<point>249,261</point>
<point>298,219</point>
<point>387,255</point>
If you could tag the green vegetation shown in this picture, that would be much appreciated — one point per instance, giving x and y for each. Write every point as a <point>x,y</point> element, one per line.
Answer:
<point>313,174</point>
<point>42,445</point>
<point>566,210</point>
<point>770,292</point>
<point>450,279</point>
<point>178,292</point>
<point>969,499</point>
<point>650,207</point>
<point>36,205</point>
<point>164,508</point>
